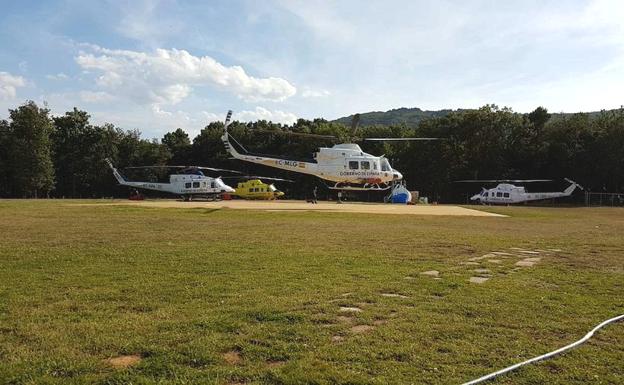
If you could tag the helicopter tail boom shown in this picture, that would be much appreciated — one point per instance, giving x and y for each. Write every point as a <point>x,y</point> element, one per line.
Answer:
<point>572,187</point>
<point>116,173</point>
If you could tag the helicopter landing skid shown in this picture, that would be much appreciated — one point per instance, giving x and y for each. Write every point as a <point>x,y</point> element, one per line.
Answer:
<point>365,187</point>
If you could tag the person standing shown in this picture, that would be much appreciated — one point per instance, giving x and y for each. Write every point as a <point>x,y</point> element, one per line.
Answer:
<point>314,192</point>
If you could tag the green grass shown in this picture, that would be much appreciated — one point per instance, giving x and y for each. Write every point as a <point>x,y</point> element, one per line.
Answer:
<point>182,287</point>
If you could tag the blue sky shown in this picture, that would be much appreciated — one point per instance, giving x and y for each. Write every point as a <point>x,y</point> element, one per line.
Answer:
<point>157,65</point>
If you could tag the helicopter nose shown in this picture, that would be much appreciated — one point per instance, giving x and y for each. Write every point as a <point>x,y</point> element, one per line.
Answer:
<point>397,175</point>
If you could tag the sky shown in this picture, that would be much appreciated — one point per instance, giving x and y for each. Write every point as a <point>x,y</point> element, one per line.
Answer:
<point>158,65</point>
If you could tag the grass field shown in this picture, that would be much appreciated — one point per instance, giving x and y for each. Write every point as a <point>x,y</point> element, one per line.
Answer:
<point>115,295</point>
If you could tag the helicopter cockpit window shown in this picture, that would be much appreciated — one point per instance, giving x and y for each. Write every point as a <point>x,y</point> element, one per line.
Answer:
<point>353,165</point>
<point>195,184</point>
<point>385,165</point>
<point>485,194</point>
<point>187,185</point>
<point>365,165</point>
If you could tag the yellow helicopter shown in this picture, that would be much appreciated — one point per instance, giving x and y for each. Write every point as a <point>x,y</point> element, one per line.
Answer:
<point>255,188</point>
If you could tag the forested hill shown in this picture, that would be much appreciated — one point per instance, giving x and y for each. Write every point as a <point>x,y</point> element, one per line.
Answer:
<point>411,117</point>
<point>408,116</point>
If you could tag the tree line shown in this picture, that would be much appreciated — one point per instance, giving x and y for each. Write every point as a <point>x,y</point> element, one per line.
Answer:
<point>63,156</point>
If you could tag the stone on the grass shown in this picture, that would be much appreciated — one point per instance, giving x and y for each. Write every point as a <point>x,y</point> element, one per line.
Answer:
<point>431,273</point>
<point>488,255</point>
<point>478,279</point>
<point>524,263</point>
<point>337,338</point>
<point>393,295</point>
<point>350,309</point>
<point>482,271</point>
<point>342,318</point>
<point>494,260</point>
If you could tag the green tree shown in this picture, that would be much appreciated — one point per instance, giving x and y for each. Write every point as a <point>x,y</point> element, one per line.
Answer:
<point>179,146</point>
<point>70,152</point>
<point>29,152</point>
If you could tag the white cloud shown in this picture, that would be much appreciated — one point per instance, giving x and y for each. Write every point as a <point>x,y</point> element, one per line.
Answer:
<point>95,97</point>
<point>59,76</point>
<point>312,93</point>
<point>9,85</point>
<point>260,113</point>
<point>168,76</point>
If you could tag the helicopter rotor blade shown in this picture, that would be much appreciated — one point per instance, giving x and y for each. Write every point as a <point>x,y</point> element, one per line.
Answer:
<point>399,139</point>
<point>502,180</point>
<point>249,177</point>
<point>148,167</point>
<point>185,167</point>
<point>293,133</point>
<point>355,123</point>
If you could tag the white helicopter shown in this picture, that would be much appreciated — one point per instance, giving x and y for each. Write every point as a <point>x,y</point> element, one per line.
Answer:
<point>507,193</point>
<point>346,165</point>
<point>190,182</point>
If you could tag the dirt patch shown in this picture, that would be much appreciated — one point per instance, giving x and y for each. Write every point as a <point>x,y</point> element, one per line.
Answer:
<point>431,273</point>
<point>275,364</point>
<point>361,328</point>
<point>294,206</point>
<point>350,309</point>
<point>232,357</point>
<point>478,280</point>
<point>122,362</point>
<point>379,322</point>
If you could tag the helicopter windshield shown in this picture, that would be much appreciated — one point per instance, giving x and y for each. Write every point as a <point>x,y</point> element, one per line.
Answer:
<point>385,165</point>
<point>272,188</point>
